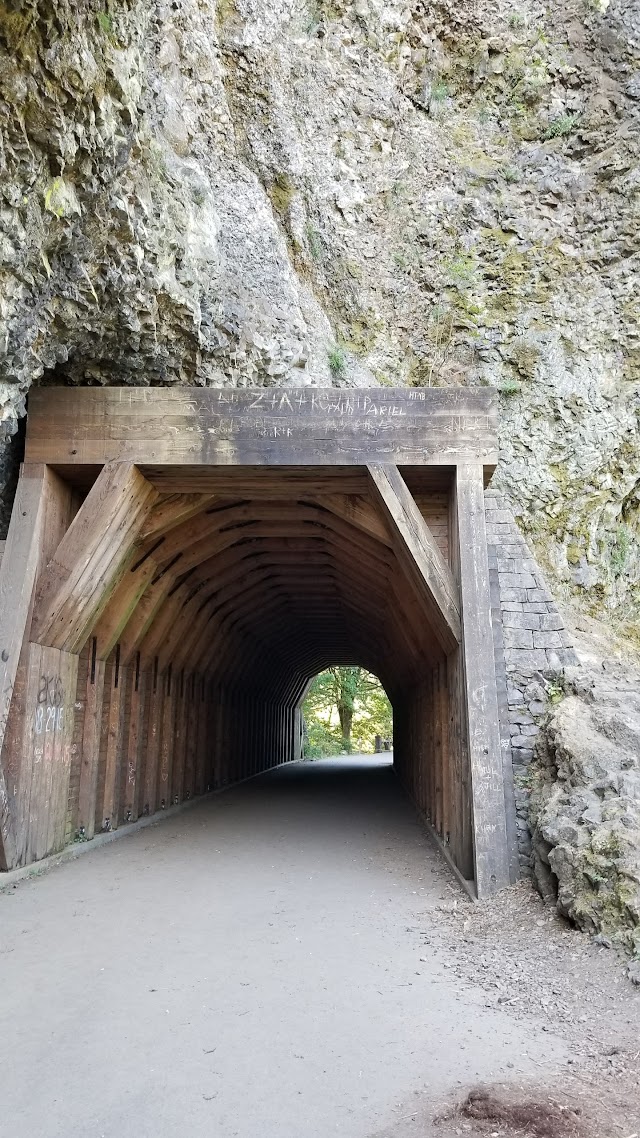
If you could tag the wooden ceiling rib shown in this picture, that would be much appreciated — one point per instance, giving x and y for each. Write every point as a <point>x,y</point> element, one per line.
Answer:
<point>264,592</point>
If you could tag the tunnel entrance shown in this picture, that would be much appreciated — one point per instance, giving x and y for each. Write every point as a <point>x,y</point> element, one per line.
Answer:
<point>181,562</point>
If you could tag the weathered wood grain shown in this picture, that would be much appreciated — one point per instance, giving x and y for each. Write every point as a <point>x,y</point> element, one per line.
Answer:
<point>17,581</point>
<point>90,752</point>
<point>418,553</point>
<point>91,558</point>
<point>485,756</point>
<point>204,426</point>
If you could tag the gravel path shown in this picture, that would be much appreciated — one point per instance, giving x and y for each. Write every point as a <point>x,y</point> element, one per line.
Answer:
<point>289,959</point>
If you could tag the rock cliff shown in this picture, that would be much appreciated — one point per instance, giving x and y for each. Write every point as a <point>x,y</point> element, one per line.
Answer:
<point>343,192</point>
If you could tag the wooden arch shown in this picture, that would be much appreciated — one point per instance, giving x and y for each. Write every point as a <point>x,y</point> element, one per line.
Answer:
<point>181,562</point>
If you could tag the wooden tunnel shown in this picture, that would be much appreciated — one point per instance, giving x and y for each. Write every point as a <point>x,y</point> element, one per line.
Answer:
<point>181,562</point>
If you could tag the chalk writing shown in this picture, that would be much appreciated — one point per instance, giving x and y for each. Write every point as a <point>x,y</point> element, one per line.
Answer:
<point>48,719</point>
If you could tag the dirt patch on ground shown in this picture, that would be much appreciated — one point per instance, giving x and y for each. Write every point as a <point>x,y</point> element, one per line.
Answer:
<point>540,1118</point>
<point>520,956</point>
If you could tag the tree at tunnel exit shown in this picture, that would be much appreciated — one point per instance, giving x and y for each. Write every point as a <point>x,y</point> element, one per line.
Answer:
<point>345,708</point>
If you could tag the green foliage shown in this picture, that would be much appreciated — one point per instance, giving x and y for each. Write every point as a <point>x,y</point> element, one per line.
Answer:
<point>561,125</point>
<point>510,387</point>
<point>337,363</point>
<point>104,21</point>
<point>439,92</point>
<point>620,551</point>
<point>313,241</point>
<point>345,708</point>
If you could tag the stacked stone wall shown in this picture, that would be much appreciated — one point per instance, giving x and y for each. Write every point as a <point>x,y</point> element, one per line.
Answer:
<point>532,646</point>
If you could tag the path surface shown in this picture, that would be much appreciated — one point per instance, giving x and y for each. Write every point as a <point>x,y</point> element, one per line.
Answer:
<point>253,967</point>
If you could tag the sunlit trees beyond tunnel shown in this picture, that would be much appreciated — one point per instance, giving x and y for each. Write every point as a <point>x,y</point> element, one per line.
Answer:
<point>344,709</point>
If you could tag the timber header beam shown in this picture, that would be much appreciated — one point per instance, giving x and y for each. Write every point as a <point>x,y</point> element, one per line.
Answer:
<point>195,427</point>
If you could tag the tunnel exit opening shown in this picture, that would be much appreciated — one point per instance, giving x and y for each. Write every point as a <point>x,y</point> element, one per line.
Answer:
<point>182,562</point>
<point>345,709</point>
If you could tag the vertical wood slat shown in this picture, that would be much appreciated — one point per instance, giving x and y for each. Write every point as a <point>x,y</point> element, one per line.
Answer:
<point>191,715</point>
<point>90,755</point>
<point>485,755</point>
<point>151,775</point>
<point>18,571</point>
<point>144,688</point>
<point>163,793</point>
<point>76,745</point>
<point>132,761</point>
<point>180,740</point>
<point>108,811</point>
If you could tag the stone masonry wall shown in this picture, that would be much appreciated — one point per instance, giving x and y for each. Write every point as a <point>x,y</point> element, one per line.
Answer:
<point>532,647</point>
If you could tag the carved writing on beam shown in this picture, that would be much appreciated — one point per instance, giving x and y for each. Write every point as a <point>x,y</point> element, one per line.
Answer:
<point>329,404</point>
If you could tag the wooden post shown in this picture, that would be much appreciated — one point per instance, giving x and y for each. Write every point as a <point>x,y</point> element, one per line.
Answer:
<point>131,760</point>
<point>90,755</point>
<point>485,756</point>
<point>108,814</point>
<point>17,581</point>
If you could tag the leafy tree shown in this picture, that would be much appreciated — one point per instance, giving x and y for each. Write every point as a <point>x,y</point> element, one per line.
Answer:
<point>345,708</point>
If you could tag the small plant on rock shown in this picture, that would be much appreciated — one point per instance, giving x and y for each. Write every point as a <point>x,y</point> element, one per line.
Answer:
<point>439,92</point>
<point>560,126</point>
<point>337,362</point>
<point>510,387</point>
<point>313,241</point>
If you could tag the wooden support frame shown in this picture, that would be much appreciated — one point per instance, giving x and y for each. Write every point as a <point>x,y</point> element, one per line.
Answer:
<point>221,529</point>
<point>419,553</point>
<point>491,850</point>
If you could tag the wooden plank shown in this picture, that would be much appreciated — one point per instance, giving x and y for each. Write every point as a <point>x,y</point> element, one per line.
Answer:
<point>191,728</point>
<point>91,558</point>
<point>48,728</point>
<point>180,739</point>
<point>194,426</point>
<point>108,813</point>
<point>90,756</point>
<point>172,510</point>
<point>64,729</point>
<point>485,755</point>
<point>418,554</point>
<point>359,513</point>
<point>132,755</point>
<point>152,741</point>
<point>17,581</point>
<point>121,606</point>
<point>167,740</point>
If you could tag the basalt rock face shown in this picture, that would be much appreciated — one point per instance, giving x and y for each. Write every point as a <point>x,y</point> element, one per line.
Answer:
<point>585,804</point>
<point>326,191</point>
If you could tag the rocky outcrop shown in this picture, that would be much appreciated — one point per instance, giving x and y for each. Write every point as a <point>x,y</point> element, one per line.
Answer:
<point>585,804</point>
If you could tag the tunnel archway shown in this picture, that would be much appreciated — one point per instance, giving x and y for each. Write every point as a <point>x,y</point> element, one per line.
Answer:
<point>191,560</point>
<point>345,710</point>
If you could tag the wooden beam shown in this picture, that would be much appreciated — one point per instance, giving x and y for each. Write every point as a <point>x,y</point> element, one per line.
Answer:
<point>17,581</point>
<point>172,510</point>
<point>358,512</point>
<point>485,755</point>
<point>92,557</point>
<point>121,606</point>
<point>418,553</point>
<point>194,426</point>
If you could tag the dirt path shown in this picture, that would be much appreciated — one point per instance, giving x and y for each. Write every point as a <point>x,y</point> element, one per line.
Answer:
<point>290,959</point>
